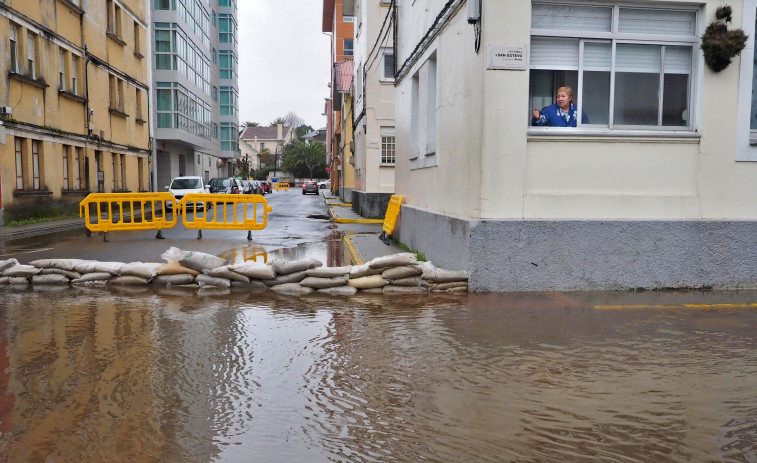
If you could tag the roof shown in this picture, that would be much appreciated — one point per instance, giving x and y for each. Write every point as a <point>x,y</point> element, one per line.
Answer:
<point>343,70</point>
<point>265,133</point>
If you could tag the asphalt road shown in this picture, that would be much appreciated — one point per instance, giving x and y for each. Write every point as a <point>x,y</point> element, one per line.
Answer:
<point>298,227</point>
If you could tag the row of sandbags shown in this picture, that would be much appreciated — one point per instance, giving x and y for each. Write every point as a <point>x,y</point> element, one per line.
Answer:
<point>398,273</point>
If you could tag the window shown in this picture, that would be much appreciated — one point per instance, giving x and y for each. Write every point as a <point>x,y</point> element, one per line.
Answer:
<point>137,38</point>
<point>431,107</point>
<point>423,115</point>
<point>753,121</point>
<point>226,28</point>
<point>227,64</point>
<point>348,50</point>
<point>78,162</point>
<point>138,99</point>
<point>19,165</point>
<point>215,93</point>
<point>214,18</point>
<point>387,145</point>
<point>629,68</point>
<point>35,165</point>
<point>229,137</point>
<point>262,146</point>
<point>114,18</point>
<point>163,5</point>
<point>66,179</point>
<point>74,74</point>
<point>228,101</point>
<point>163,55</point>
<point>61,70</point>
<point>31,62</point>
<point>114,160</point>
<point>348,19</point>
<point>14,48</point>
<point>388,65</point>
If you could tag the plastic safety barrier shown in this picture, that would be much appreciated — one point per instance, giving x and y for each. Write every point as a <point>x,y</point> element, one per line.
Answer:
<point>281,186</point>
<point>105,212</point>
<point>224,213</point>
<point>390,219</point>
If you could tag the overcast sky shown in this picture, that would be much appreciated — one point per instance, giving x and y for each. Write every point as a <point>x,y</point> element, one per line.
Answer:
<point>283,60</point>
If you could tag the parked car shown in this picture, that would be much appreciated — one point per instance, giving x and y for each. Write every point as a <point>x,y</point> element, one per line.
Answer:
<point>248,187</point>
<point>268,187</point>
<point>181,186</point>
<point>310,187</point>
<point>228,185</point>
<point>257,187</point>
<point>325,185</point>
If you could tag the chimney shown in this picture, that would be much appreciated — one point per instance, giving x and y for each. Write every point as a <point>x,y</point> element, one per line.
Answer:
<point>280,131</point>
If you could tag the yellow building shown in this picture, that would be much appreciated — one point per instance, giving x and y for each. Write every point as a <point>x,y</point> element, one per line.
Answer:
<point>73,103</point>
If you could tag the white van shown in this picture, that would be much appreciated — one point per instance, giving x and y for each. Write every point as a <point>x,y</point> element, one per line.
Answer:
<point>181,186</point>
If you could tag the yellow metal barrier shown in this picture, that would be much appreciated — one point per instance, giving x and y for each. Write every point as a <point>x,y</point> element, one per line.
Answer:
<point>98,212</point>
<point>390,219</point>
<point>281,186</point>
<point>224,214</point>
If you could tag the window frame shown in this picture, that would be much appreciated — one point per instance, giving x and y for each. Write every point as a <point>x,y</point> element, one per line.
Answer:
<point>19,152</point>
<point>388,146</point>
<point>31,54</point>
<point>352,47</point>
<point>13,37</point>
<point>615,37</point>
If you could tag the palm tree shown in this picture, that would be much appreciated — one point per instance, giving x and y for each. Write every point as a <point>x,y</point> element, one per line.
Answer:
<point>250,124</point>
<point>278,120</point>
<point>302,155</point>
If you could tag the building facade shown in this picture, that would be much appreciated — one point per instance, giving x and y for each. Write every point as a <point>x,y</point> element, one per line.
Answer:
<point>74,98</point>
<point>196,90</point>
<point>373,100</point>
<point>268,141</point>
<point>652,188</point>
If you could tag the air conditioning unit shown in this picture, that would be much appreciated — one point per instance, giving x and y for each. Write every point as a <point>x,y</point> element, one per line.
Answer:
<point>6,110</point>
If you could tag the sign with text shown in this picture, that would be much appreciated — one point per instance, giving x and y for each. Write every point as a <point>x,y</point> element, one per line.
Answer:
<point>510,56</point>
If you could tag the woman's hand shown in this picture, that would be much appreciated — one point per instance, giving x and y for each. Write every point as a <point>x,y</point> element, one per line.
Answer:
<point>536,113</point>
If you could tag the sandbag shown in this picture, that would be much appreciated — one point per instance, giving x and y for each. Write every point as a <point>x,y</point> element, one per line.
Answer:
<point>448,285</point>
<point>224,272</point>
<point>373,281</point>
<point>372,291</point>
<point>18,281</point>
<point>140,269</point>
<point>292,289</point>
<point>394,260</point>
<point>61,264</point>
<point>128,281</point>
<point>363,270</point>
<point>392,289</point>
<point>396,273</point>
<point>5,264</point>
<point>173,280</point>
<point>95,276</point>
<point>440,275</point>
<point>284,279</point>
<point>412,281</point>
<point>257,285</point>
<point>193,259</point>
<point>4,280</point>
<point>70,274</point>
<point>207,280</point>
<point>90,283</point>
<point>95,266</point>
<point>175,268</point>
<point>285,267</point>
<point>339,291</point>
<point>329,272</point>
<point>320,283</point>
<point>50,279</point>
<point>21,270</point>
<point>256,270</point>
<point>459,289</point>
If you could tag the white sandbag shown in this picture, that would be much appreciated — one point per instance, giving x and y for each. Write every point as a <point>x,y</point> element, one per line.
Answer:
<point>18,281</point>
<point>285,267</point>
<point>363,270</point>
<point>21,270</point>
<point>70,274</point>
<point>5,264</point>
<point>440,275</point>
<point>140,269</point>
<point>62,264</point>
<point>95,266</point>
<point>372,291</point>
<point>339,291</point>
<point>257,270</point>
<point>412,281</point>
<point>292,289</point>
<point>128,281</point>
<point>394,260</point>
<point>175,268</point>
<point>207,280</point>
<point>329,272</point>
<point>225,272</point>
<point>193,259</point>
<point>391,289</point>
<point>4,280</point>
<point>90,283</point>
<point>373,281</point>
<point>284,279</point>
<point>320,283</point>
<point>405,271</point>
<point>50,279</point>
<point>173,280</point>
<point>95,276</point>
<point>448,285</point>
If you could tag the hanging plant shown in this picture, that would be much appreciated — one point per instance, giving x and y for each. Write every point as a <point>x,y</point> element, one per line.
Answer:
<point>719,44</point>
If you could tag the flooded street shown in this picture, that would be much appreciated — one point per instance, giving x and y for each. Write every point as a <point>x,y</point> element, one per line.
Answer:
<point>173,375</point>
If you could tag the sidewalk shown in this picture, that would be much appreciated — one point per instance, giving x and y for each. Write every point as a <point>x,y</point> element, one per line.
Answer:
<point>363,246</point>
<point>40,228</point>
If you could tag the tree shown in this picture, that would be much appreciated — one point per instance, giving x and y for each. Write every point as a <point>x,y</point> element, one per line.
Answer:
<point>302,130</point>
<point>301,158</point>
<point>250,124</point>
<point>243,166</point>
<point>278,120</point>
<point>266,157</point>
<point>293,120</point>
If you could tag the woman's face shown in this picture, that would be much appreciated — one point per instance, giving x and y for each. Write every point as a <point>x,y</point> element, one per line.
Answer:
<point>563,100</point>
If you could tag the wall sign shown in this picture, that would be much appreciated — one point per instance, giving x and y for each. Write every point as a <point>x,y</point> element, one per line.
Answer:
<point>510,56</point>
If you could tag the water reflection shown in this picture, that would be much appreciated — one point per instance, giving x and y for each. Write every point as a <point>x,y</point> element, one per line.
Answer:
<point>176,374</point>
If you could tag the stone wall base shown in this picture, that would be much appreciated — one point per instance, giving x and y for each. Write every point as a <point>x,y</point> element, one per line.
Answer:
<point>564,255</point>
<point>370,205</point>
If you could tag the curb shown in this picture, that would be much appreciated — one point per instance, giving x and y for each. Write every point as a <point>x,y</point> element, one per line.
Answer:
<point>40,231</point>
<point>365,221</point>
<point>354,254</point>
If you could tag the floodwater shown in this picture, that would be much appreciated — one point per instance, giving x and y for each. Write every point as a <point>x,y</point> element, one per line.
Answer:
<point>173,375</point>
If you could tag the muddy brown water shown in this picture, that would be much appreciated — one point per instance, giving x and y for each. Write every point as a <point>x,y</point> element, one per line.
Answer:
<point>136,374</point>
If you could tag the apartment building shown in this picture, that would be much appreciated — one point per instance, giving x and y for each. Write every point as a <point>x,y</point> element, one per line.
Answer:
<point>196,90</point>
<point>73,103</point>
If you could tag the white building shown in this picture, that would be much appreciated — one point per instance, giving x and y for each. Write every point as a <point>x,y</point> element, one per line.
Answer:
<point>659,189</point>
<point>373,115</point>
